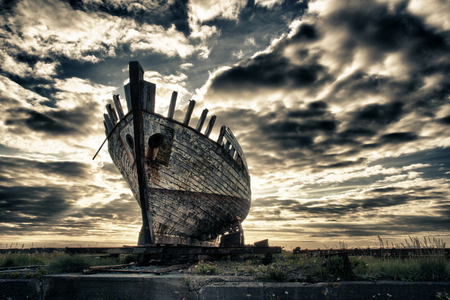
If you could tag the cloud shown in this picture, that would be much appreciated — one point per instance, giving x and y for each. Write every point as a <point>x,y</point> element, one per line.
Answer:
<point>62,201</point>
<point>331,87</point>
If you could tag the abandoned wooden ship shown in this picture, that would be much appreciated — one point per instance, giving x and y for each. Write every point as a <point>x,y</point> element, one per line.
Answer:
<point>191,189</point>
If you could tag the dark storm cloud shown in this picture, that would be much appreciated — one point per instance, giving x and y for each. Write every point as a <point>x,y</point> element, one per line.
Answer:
<point>307,133</point>
<point>34,204</point>
<point>268,71</point>
<point>398,137</point>
<point>47,206</point>
<point>315,109</point>
<point>55,122</point>
<point>66,169</point>
<point>367,205</point>
<point>444,120</point>
<point>159,13</point>
<point>378,115</point>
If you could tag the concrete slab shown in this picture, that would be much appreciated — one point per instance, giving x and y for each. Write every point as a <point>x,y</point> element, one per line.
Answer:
<point>179,286</point>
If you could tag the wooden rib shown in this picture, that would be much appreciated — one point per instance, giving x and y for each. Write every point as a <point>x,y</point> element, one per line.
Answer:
<point>227,145</point>
<point>173,102</point>
<point>128,96</point>
<point>149,96</point>
<point>106,128</point>
<point>190,109</point>
<point>232,150</point>
<point>221,134</point>
<point>108,122</point>
<point>118,105</point>
<point>112,114</point>
<point>210,126</point>
<point>201,121</point>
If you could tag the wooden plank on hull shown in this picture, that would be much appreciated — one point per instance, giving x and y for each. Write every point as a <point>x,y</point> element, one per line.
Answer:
<point>136,81</point>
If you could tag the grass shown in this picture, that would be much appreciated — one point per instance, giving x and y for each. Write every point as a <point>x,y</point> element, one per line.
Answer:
<point>422,266</point>
<point>58,262</point>
<point>289,267</point>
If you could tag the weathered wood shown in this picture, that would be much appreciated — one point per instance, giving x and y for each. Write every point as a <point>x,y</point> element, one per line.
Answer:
<point>202,119</point>
<point>190,109</point>
<point>230,137</point>
<point>136,79</point>
<point>108,122</point>
<point>112,114</point>
<point>106,128</point>
<point>118,105</point>
<point>191,185</point>
<point>210,126</point>
<point>173,102</point>
<point>128,95</point>
<point>232,150</point>
<point>221,134</point>
<point>154,142</point>
<point>227,145</point>
<point>149,96</point>
<point>211,175</point>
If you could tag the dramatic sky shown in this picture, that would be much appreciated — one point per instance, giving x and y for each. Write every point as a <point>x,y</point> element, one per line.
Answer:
<point>341,107</point>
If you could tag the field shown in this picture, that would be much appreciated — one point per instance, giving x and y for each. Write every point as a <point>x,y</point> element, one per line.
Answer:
<point>284,267</point>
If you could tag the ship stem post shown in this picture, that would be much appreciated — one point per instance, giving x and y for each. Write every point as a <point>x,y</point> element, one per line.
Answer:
<point>136,83</point>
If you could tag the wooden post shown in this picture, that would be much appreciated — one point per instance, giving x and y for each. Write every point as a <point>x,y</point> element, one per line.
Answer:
<point>112,114</point>
<point>118,106</point>
<point>190,109</point>
<point>221,134</point>
<point>173,102</point>
<point>210,126</point>
<point>136,79</point>
<point>201,121</point>
<point>128,96</point>
<point>149,96</point>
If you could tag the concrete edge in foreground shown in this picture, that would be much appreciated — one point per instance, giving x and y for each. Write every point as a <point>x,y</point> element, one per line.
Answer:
<point>140,286</point>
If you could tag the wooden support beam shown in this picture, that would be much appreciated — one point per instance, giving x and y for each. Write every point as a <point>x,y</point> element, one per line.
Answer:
<point>202,119</point>
<point>221,134</point>
<point>149,96</point>
<point>136,82</point>
<point>190,109</point>
<point>210,126</point>
<point>108,122</point>
<point>118,106</point>
<point>173,102</point>
<point>128,96</point>
<point>112,114</point>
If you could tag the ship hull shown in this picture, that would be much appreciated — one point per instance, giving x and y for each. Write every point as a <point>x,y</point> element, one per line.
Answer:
<point>194,186</point>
